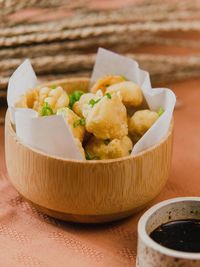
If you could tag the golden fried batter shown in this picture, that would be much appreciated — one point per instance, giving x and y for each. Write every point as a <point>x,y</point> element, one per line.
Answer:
<point>130,92</point>
<point>107,119</point>
<point>82,106</point>
<point>141,121</point>
<point>105,82</point>
<point>75,123</point>
<point>108,149</point>
<point>55,98</point>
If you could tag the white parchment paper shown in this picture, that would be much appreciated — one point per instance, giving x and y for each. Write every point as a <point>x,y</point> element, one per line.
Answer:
<point>49,134</point>
<point>53,136</point>
<point>110,63</point>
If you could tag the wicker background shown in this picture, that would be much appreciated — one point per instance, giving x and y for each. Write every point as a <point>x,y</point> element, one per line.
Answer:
<point>62,37</point>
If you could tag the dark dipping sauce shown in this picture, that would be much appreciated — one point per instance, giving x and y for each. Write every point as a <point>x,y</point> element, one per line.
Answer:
<point>181,235</point>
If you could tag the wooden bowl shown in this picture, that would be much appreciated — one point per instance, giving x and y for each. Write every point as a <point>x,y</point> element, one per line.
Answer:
<point>86,191</point>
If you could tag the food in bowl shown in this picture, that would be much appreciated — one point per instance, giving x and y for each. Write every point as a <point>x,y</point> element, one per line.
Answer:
<point>106,122</point>
<point>87,191</point>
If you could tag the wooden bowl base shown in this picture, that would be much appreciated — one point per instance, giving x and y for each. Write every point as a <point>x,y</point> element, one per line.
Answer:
<point>77,218</point>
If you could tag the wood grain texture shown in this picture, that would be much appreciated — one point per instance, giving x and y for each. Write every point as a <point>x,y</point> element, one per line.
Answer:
<point>96,189</point>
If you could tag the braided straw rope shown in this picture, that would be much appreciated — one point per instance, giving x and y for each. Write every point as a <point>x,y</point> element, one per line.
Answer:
<point>148,5</point>
<point>73,38</point>
<point>136,29</point>
<point>15,5</point>
<point>91,44</point>
<point>128,15</point>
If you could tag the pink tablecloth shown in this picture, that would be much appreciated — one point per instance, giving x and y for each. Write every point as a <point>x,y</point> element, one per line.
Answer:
<point>29,238</point>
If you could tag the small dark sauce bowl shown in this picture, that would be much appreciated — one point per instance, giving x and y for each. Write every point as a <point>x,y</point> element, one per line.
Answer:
<point>158,249</point>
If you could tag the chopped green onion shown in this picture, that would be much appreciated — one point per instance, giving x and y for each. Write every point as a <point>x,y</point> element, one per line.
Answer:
<point>46,110</point>
<point>71,101</point>
<point>74,97</point>
<point>108,95</point>
<point>53,86</point>
<point>78,94</point>
<point>107,85</point>
<point>93,102</point>
<point>160,111</point>
<point>76,123</point>
<point>106,141</point>
<point>80,122</point>
<point>89,157</point>
<point>130,151</point>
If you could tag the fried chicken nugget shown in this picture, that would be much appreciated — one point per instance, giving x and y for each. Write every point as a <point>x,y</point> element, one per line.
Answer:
<point>75,123</point>
<point>130,92</point>
<point>82,107</point>
<point>36,99</point>
<point>107,119</point>
<point>28,100</point>
<point>105,82</point>
<point>108,149</point>
<point>141,121</point>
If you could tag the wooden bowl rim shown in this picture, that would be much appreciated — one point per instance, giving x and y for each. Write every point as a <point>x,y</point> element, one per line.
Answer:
<point>41,153</point>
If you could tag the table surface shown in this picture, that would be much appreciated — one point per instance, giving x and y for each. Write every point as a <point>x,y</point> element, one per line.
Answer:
<point>111,244</point>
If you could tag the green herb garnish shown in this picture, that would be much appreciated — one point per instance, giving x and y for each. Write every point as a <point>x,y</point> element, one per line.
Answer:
<point>108,95</point>
<point>80,122</point>
<point>74,97</point>
<point>93,102</point>
<point>160,111</point>
<point>46,110</point>
<point>130,151</point>
<point>71,101</point>
<point>89,157</point>
<point>53,86</point>
<point>106,141</point>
